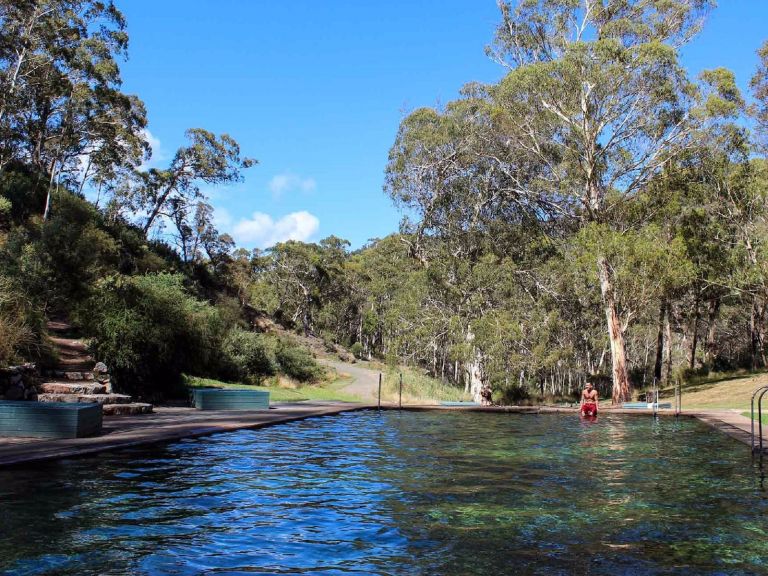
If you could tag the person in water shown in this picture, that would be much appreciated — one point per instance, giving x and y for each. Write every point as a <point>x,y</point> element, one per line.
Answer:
<point>589,401</point>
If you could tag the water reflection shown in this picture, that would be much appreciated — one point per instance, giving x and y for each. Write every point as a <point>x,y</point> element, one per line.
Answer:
<point>399,493</point>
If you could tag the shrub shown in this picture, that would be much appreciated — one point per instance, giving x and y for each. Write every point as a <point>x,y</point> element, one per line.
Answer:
<point>357,350</point>
<point>249,356</point>
<point>16,333</point>
<point>514,395</point>
<point>297,362</point>
<point>150,329</point>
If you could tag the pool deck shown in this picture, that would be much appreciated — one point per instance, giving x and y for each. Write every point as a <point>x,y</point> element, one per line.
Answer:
<point>165,424</point>
<point>168,424</point>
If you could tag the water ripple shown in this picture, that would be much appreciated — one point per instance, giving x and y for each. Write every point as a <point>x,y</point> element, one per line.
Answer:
<point>398,493</point>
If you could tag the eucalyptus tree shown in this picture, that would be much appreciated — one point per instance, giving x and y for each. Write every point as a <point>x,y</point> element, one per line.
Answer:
<point>60,99</point>
<point>443,169</point>
<point>302,278</point>
<point>175,191</point>
<point>596,98</point>
<point>759,85</point>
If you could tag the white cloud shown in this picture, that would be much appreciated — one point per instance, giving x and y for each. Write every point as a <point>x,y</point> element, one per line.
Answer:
<point>262,231</point>
<point>282,183</point>
<point>158,154</point>
<point>222,219</point>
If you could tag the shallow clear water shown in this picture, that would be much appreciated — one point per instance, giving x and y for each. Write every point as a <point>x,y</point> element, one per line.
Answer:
<point>399,493</point>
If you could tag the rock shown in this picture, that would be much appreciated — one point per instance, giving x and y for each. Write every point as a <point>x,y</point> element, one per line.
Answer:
<point>15,393</point>
<point>100,368</point>
<point>345,356</point>
<point>127,409</point>
<point>72,388</point>
<point>18,382</point>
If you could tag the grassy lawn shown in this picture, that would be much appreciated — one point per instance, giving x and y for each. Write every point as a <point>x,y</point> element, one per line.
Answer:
<point>323,391</point>
<point>418,388</point>
<point>764,418</point>
<point>732,391</point>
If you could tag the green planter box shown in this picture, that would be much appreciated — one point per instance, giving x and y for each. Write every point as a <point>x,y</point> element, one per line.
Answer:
<point>49,419</point>
<point>216,399</point>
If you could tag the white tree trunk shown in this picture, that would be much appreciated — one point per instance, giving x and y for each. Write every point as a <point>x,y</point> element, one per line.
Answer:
<point>474,370</point>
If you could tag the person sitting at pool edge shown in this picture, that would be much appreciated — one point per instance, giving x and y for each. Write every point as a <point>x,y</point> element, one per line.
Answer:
<point>589,401</point>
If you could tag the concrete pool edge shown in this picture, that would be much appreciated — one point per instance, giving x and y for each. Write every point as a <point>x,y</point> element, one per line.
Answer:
<point>173,424</point>
<point>164,425</point>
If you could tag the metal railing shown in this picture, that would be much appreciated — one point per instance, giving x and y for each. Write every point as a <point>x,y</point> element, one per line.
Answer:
<point>759,446</point>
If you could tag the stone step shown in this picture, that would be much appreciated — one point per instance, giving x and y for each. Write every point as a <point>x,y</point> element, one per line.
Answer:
<point>74,364</point>
<point>127,409</point>
<point>72,388</point>
<point>98,398</point>
<point>75,376</point>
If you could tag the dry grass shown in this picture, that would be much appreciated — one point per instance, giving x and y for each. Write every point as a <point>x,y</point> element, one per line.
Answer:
<point>727,392</point>
<point>418,388</point>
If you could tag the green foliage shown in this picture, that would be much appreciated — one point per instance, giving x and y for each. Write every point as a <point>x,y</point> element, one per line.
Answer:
<point>149,329</point>
<point>513,395</point>
<point>297,362</point>
<point>357,350</point>
<point>249,356</point>
<point>18,323</point>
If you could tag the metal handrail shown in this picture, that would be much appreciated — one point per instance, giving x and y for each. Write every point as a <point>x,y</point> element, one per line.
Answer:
<point>762,391</point>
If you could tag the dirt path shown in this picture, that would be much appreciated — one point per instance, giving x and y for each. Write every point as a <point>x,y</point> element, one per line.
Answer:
<point>365,382</point>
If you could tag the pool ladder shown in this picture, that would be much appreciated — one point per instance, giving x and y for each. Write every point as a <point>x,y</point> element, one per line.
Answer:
<point>757,446</point>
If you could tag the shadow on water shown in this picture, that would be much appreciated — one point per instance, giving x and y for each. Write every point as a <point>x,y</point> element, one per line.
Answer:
<point>400,493</point>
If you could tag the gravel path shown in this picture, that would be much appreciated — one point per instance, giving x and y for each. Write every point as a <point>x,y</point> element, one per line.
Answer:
<point>365,382</point>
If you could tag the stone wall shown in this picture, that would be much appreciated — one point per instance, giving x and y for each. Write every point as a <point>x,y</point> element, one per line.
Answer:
<point>19,382</point>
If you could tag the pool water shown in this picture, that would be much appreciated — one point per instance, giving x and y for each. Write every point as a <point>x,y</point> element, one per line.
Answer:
<point>399,493</point>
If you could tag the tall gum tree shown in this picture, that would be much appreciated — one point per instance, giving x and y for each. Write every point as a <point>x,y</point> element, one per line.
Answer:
<point>595,96</point>
<point>60,99</point>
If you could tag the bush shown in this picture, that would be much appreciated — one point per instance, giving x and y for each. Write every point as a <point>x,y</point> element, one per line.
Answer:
<point>514,395</point>
<point>150,329</point>
<point>357,350</point>
<point>249,356</point>
<point>16,323</point>
<point>297,362</point>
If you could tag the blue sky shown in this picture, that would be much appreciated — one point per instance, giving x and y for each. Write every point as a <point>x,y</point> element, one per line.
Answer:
<point>315,90</point>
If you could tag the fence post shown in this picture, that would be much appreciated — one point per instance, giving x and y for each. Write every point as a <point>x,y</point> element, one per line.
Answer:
<point>400,395</point>
<point>379,406</point>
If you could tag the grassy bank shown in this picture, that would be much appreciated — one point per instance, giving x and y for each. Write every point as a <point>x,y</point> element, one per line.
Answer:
<point>282,391</point>
<point>418,388</point>
<point>764,418</point>
<point>720,391</point>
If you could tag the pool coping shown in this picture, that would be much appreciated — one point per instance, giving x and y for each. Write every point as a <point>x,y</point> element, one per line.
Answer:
<point>163,425</point>
<point>168,424</point>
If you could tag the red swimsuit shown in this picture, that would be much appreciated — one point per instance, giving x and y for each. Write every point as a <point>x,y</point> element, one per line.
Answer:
<point>589,409</point>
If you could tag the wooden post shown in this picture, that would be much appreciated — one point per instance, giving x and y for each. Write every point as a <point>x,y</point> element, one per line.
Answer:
<point>400,395</point>
<point>379,406</point>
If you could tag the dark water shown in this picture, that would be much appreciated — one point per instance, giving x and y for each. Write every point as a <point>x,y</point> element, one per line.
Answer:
<point>399,493</point>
